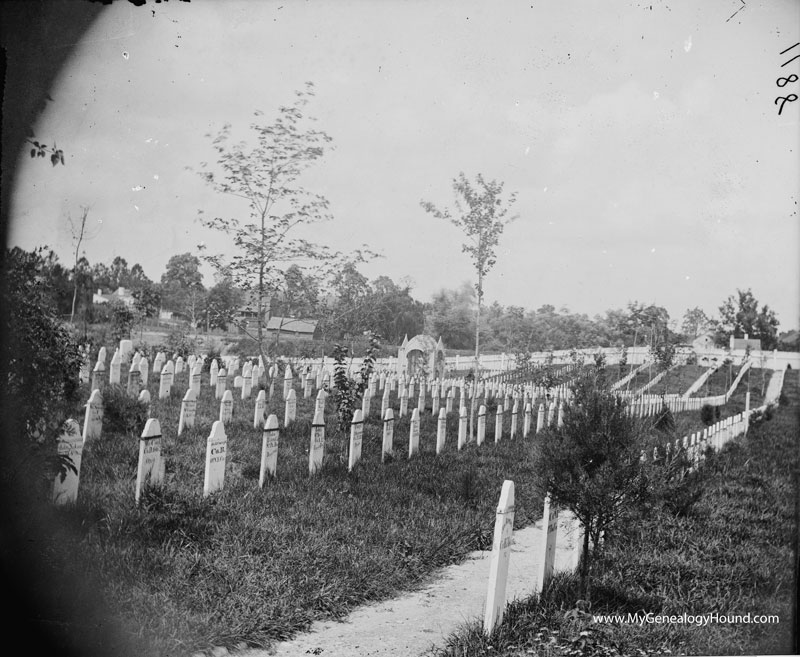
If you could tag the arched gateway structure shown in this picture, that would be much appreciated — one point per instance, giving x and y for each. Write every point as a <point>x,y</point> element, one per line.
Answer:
<point>421,355</point>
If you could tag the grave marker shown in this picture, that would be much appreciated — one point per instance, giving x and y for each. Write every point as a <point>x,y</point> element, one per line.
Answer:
<point>99,375</point>
<point>290,408</point>
<point>149,469</point>
<point>213,373</point>
<point>384,401</point>
<point>547,553</point>
<point>144,371</point>
<point>260,409</point>
<point>498,423</point>
<point>540,419</point>
<point>144,398</point>
<point>196,378</point>
<point>134,380</point>
<point>317,451</point>
<point>441,430</point>
<point>501,554</point>
<point>216,451</point>
<point>462,426</point>
<point>93,419</point>
<point>481,424</point>
<point>269,450</point>
<point>287,381</point>
<point>222,383</point>
<point>226,407</point>
<point>356,437</point>
<point>413,433</point>
<point>165,382</point>
<point>188,411</point>
<point>514,414</point>
<point>388,433</point>
<point>69,445</point>
<point>158,362</point>
<point>116,369</point>
<point>403,401</point>
<point>101,356</point>
<point>526,422</point>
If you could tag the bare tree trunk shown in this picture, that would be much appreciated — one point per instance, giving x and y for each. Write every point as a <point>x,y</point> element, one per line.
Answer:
<point>585,566</point>
<point>477,358</point>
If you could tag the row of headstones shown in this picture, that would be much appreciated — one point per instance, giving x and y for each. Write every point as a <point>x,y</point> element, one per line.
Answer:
<point>72,441</point>
<point>715,436</point>
<point>570,537</point>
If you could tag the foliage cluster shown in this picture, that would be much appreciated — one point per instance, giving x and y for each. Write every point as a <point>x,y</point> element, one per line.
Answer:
<point>347,391</point>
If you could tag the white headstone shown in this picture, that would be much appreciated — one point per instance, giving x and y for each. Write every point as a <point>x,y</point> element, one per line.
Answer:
<point>179,363</point>
<point>462,426</point>
<point>158,362</point>
<point>287,381</point>
<point>222,383</point>
<point>213,372</point>
<point>116,369</point>
<point>93,419</point>
<point>356,436</point>
<point>441,430</point>
<point>69,445</point>
<point>260,409</point>
<point>216,452</point>
<point>166,379</point>
<point>481,424</point>
<point>144,398</point>
<point>388,433</point>
<point>498,423</point>
<point>320,403</point>
<point>144,371</point>
<point>134,380</point>
<point>514,414</point>
<point>413,433</point>
<point>188,411</point>
<point>99,375</point>
<point>501,554</point>
<point>238,381</point>
<point>403,401</point>
<point>269,449</point>
<point>101,355</point>
<point>196,378</point>
<point>526,423</point>
<point>547,555</point>
<point>384,401</point>
<point>290,410</point>
<point>149,469</point>
<point>226,407</point>
<point>540,419</point>
<point>125,348</point>
<point>317,451</point>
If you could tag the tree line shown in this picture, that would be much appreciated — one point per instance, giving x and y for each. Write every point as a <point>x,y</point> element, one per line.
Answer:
<point>348,304</point>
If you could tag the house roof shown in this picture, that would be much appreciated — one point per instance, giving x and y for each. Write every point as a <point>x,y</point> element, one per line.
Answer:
<point>291,324</point>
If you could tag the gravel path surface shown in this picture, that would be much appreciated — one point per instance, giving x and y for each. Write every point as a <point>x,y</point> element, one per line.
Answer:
<point>414,623</point>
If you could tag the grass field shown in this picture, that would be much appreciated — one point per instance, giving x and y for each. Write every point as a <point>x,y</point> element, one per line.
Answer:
<point>731,552</point>
<point>182,573</point>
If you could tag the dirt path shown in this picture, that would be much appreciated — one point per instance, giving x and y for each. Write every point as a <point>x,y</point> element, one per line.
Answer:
<point>414,623</point>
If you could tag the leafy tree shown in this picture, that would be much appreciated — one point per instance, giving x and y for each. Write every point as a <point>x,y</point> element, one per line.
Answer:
<point>451,315</point>
<point>591,465</point>
<point>39,365</point>
<point>220,304</point>
<point>695,323</point>
<point>266,177</point>
<point>741,315</point>
<point>182,286</point>
<point>481,214</point>
<point>300,294</point>
<point>122,320</point>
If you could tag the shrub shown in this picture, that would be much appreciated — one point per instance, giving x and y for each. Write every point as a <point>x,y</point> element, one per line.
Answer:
<point>709,414</point>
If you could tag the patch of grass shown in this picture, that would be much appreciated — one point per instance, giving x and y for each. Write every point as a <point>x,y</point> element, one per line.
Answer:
<point>731,552</point>
<point>180,573</point>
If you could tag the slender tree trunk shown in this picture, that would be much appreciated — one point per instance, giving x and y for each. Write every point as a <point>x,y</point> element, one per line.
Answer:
<point>477,357</point>
<point>585,566</point>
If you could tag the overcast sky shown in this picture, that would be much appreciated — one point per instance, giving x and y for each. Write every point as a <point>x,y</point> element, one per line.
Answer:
<point>642,140</point>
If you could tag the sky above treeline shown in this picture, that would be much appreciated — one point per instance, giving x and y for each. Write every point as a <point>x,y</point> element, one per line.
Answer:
<point>642,140</point>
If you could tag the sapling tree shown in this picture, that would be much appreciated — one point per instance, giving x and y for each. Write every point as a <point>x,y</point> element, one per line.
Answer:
<point>481,213</point>
<point>266,177</point>
<point>591,464</point>
<point>347,391</point>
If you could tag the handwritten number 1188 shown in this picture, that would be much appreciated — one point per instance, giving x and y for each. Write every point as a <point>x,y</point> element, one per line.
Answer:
<point>782,82</point>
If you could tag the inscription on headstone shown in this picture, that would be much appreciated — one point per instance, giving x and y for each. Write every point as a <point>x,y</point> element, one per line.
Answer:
<point>216,452</point>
